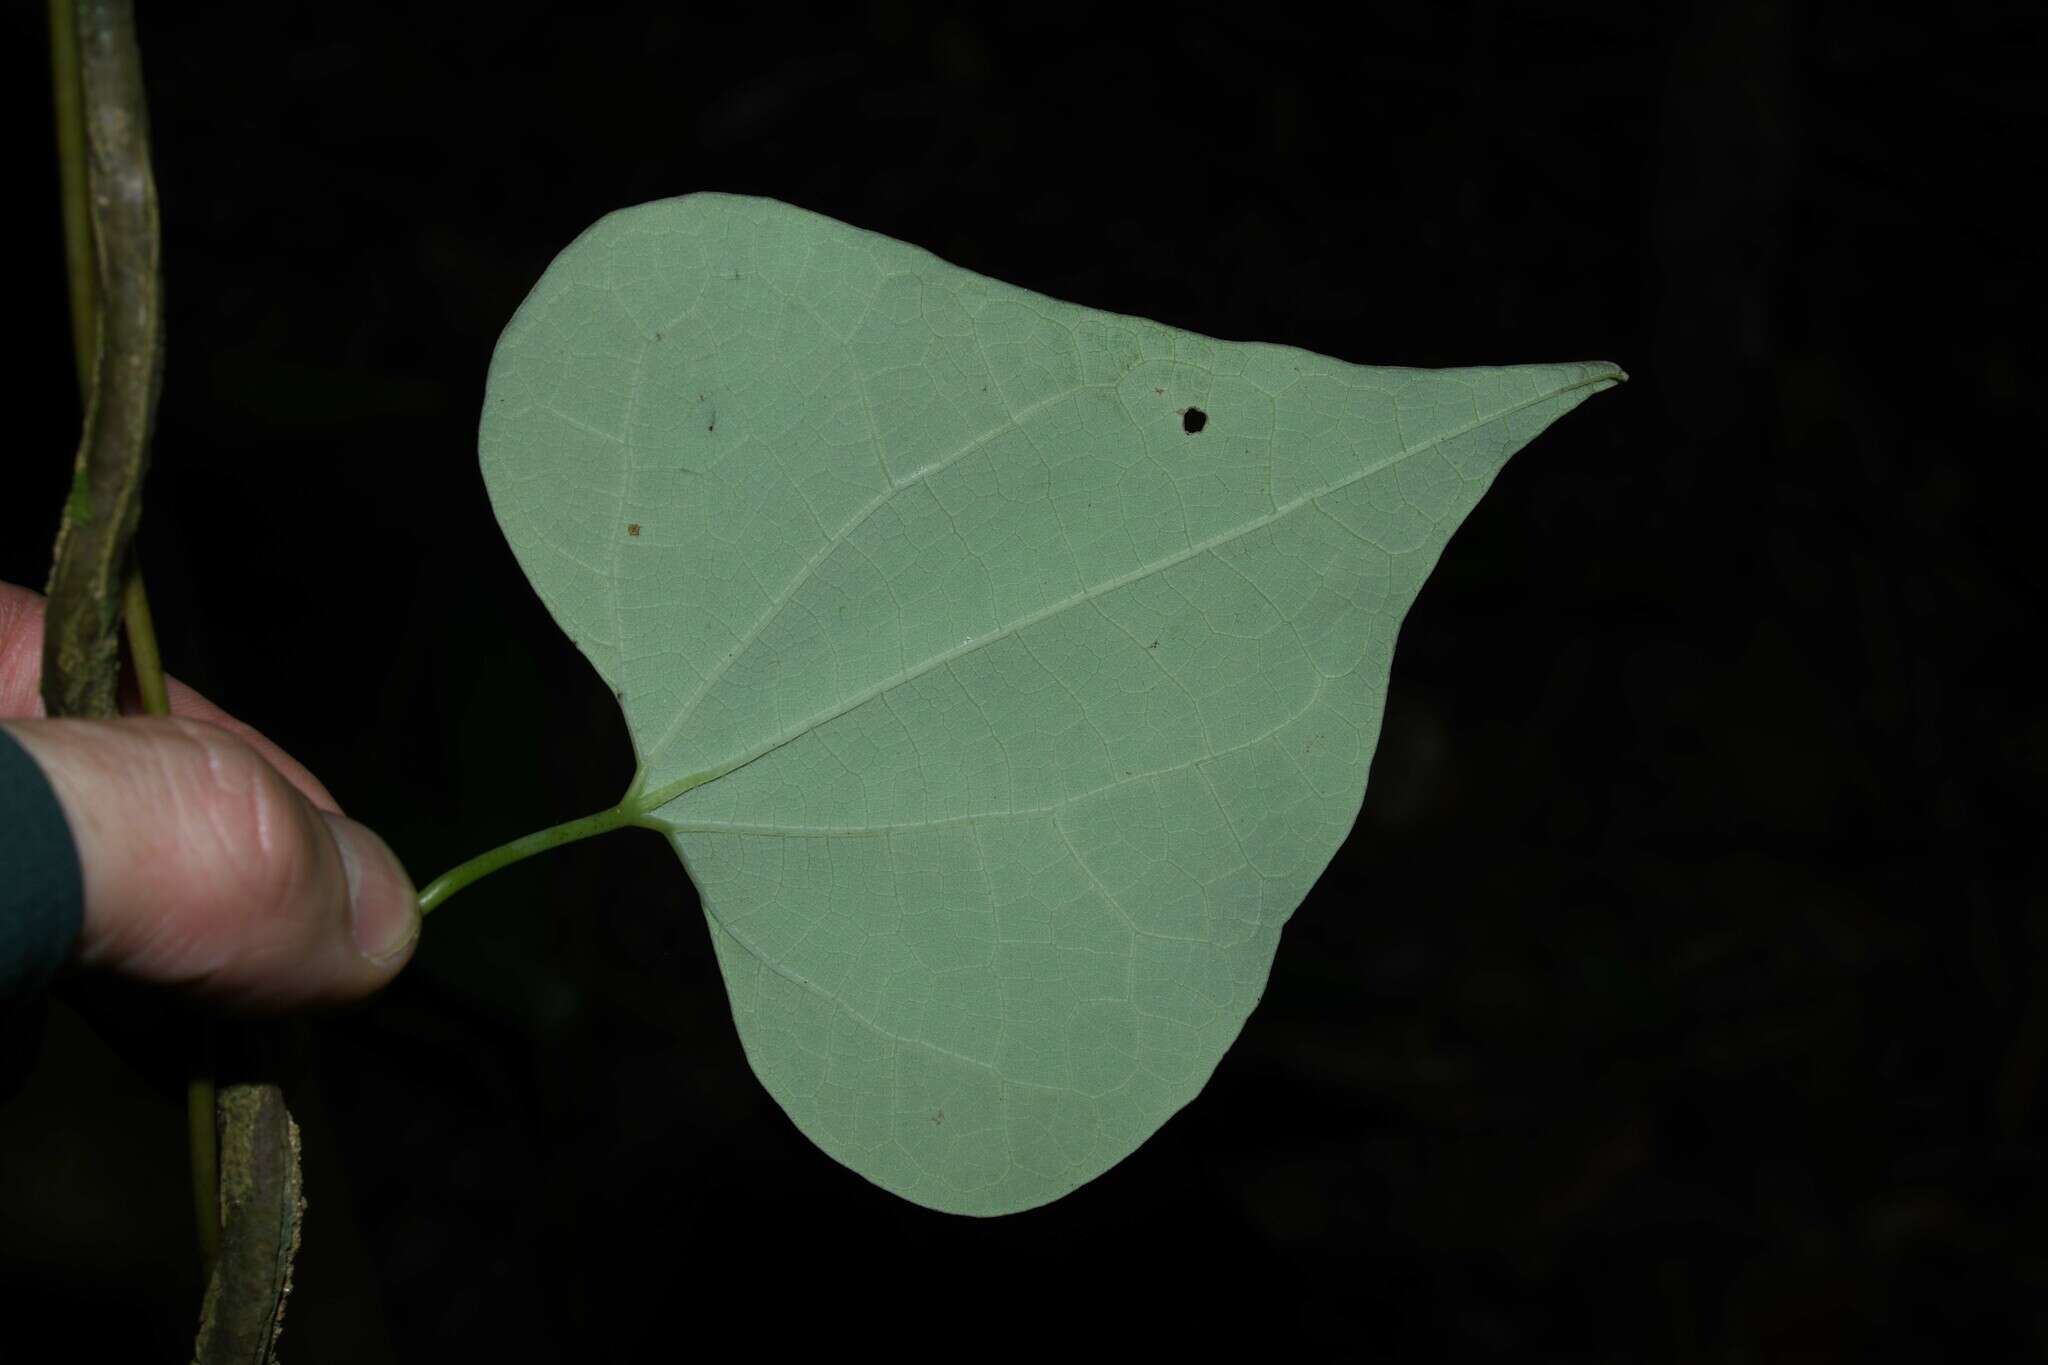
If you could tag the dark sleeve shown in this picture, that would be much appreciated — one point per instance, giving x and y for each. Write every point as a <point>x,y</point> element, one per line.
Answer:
<point>42,886</point>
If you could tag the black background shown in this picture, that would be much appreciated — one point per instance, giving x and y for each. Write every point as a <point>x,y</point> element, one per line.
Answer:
<point>1683,990</point>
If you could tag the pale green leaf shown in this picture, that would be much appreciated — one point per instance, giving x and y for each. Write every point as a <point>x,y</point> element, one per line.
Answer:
<point>1001,718</point>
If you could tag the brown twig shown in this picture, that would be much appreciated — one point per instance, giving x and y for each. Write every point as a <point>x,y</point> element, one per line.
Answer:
<point>94,583</point>
<point>261,1206</point>
<point>81,637</point>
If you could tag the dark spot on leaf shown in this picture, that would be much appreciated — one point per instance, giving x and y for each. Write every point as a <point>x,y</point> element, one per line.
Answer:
<point>1153,645</point>
<point>1193,420</point>
<point>632,528</point>
<point>712,425</point>
<point>939,1117</point>
<point>657,336</point>
<point>1160,392</point>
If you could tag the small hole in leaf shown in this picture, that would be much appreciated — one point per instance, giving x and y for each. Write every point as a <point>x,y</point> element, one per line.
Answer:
<point>1193,420</point>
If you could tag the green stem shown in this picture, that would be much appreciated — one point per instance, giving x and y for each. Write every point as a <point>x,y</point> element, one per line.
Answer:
<point>627,812</point>
<point>140,628</point>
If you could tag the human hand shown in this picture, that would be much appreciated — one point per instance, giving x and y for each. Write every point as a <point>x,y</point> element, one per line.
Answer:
<point>213,862</point>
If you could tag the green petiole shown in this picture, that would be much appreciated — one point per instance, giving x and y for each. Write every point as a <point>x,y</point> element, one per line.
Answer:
<point>627,812</point>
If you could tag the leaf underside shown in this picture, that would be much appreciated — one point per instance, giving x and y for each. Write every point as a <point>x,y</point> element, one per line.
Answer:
<point>1005,671</point>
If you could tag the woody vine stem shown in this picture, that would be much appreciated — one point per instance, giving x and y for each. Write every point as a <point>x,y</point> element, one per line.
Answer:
<point>83,264</point>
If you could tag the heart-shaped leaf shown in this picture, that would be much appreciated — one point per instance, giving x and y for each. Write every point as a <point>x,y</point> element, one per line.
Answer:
<point>1004,671</point>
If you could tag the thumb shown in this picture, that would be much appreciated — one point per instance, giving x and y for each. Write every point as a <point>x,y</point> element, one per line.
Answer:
<point>207,870</point>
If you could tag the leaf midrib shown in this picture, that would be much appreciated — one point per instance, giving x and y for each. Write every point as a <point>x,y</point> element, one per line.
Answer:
<point>661,796</point>
<point>834,541</point>
<point>757,829</point>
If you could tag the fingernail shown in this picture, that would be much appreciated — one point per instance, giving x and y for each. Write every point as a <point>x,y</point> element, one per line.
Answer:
<point>382,905</point>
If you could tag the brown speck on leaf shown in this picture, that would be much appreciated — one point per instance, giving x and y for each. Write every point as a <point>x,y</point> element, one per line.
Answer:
<point>632,528</point>
<point>1160,392</point>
